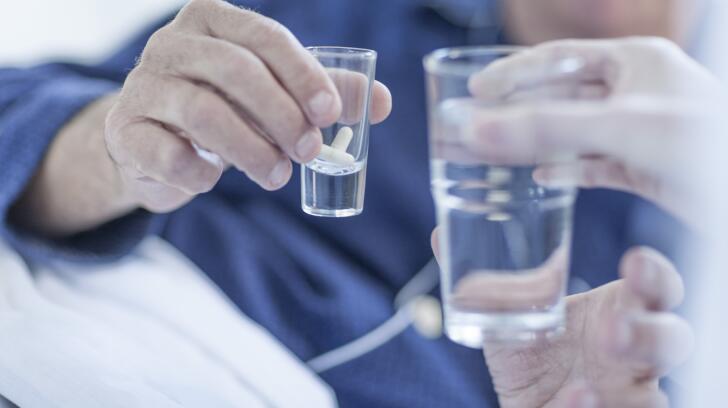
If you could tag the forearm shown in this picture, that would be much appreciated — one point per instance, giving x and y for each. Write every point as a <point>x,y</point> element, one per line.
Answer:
<point>77,186</point>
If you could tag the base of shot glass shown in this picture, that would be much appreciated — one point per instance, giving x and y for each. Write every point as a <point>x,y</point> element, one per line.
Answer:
<point>472,329</point>
<point>331,190</point>
<point>317,212</point>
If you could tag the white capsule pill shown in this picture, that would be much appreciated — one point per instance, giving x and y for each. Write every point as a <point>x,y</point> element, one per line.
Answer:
<point>342,139</point>
<point>335,156</point>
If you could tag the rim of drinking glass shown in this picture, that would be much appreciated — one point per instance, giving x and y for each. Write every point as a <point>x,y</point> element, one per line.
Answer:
<point>342,52</point>
<point>449,60</point>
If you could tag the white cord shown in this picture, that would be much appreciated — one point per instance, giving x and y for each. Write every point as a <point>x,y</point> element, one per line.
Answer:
<point>422,283</point>
<point>369,342</point>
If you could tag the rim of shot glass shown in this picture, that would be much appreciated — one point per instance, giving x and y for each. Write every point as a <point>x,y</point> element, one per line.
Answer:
<point>327,51</point>
<point>451,60</point>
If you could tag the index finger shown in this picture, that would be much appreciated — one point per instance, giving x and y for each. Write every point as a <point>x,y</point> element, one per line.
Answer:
<point>297,70</point>
<point>646,133</point>
<point>576,62</point>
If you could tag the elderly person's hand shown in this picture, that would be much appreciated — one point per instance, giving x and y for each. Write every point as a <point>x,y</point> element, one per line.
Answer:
<point>219,86</point>
<point>232,82</point>
<point>618,341</point>
<point>636,116</point>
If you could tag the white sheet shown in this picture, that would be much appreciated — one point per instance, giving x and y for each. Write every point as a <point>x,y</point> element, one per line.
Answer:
<point>149,331</point>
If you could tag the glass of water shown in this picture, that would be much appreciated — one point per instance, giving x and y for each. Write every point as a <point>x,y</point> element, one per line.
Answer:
<point>332,185</point>
<point>503,239</point>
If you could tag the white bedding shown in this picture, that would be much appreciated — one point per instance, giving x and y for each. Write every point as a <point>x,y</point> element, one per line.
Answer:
<point>149,331</point>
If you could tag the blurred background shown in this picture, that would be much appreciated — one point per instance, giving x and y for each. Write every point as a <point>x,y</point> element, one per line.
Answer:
<point>31,32</point>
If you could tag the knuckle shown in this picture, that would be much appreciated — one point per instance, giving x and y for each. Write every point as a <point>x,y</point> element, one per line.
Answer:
<point>158,37</point>
<point>195,7</point>
<point>113,124</point>
<point>270,33</point>
<point>118,133</point>
<point>162,38</point>
<point>203,111</point>
<point>156,42</point>
<point>135,76</point>
<point>114,139</point>
<point>166,50</point>
<point>195,16</point>
<point>240,63</point>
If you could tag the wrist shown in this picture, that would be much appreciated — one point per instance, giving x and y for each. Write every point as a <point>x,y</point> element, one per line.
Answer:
<point>77,186</point>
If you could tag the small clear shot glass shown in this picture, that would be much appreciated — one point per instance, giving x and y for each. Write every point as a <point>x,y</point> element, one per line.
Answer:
<point>504,240</point>
<point>333,184</point>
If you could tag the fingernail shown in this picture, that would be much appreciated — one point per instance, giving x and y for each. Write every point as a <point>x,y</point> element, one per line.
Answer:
<point>308,146</point>
<point>279,174</point>
<point>320,104</point>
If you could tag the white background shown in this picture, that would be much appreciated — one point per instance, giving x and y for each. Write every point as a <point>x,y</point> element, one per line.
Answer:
<point>707,369</point>
<point>32,31</point>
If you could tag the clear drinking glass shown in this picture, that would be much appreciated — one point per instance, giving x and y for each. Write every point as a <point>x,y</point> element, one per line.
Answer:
<point>332,185</point>
<point>504,240</point>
